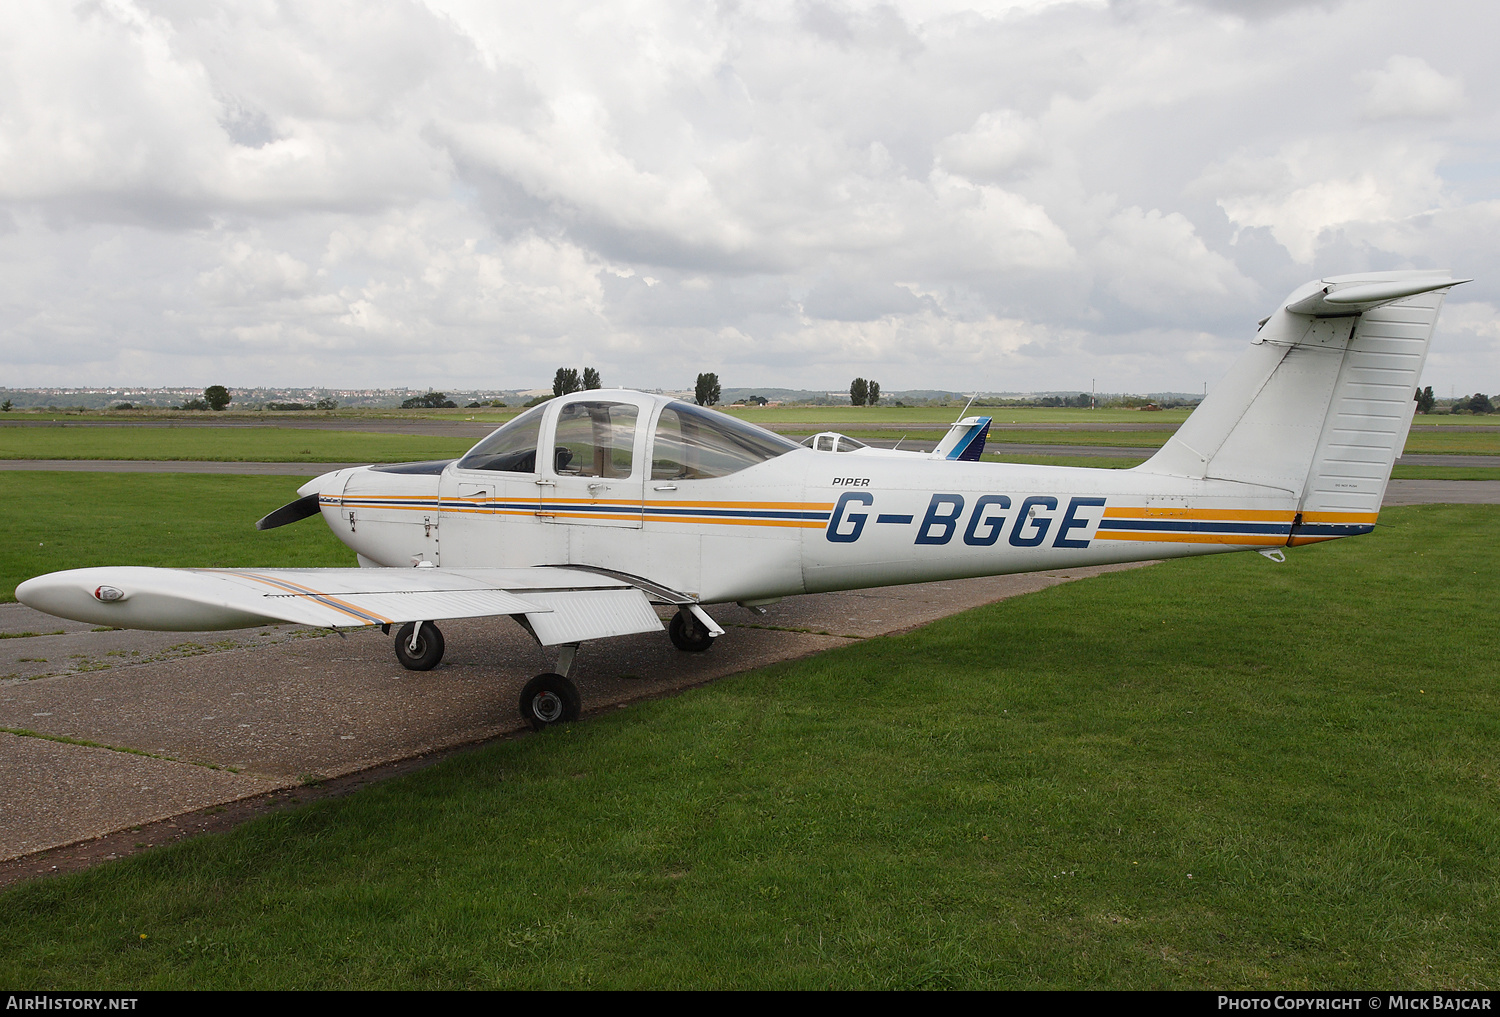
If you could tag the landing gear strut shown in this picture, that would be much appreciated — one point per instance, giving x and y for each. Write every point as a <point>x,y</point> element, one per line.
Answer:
<point>552,698</point>
<point>419,649</point>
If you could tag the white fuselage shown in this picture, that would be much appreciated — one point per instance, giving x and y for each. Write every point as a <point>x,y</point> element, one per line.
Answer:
<point>802,522</point>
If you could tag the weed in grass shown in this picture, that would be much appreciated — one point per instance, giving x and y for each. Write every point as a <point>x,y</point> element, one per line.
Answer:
<point>22,732</point>
<point>788,628</point>
<point>28,635</point>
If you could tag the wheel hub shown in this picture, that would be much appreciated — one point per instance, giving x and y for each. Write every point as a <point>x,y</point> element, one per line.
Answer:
<point>547,706</point>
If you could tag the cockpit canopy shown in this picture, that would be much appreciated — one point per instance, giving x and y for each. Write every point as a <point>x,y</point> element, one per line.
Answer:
<point>596,437</point>
<point>832,441</point>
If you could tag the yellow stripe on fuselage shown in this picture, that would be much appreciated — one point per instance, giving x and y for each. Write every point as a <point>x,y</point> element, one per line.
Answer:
<point>1233,515</point>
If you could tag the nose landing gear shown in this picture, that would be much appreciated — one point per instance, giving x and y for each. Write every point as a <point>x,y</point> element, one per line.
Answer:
<point>552,698</point>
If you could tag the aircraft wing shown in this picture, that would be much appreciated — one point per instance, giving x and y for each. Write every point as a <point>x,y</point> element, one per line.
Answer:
<point>560,605</point>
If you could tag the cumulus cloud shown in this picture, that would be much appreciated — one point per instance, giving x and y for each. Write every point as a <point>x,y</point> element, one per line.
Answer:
<point>999,142</point>
<point>468,192</point>
<point>1312,186</point>
<point>1149,261</point>
<point>1408,86</point>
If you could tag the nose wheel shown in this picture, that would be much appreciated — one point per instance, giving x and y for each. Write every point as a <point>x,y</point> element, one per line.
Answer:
<point>550,699</point>
<point>419,649</point>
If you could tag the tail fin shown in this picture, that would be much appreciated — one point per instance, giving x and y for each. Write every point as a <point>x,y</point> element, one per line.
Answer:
<point>964,440</point>
<point>1320,405</point>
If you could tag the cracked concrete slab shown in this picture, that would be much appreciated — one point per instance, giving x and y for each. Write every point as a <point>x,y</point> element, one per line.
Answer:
<point>56,793</point>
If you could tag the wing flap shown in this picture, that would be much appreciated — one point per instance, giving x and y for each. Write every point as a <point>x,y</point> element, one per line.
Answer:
<point>573,616</point>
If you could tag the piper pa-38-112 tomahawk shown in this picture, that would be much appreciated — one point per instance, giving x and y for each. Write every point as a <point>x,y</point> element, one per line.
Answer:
<point>580,515</point>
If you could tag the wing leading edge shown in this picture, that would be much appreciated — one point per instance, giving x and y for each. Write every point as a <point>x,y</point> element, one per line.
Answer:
<point>559,605</point>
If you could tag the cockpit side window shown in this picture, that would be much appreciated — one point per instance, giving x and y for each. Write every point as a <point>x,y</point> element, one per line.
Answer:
<point>511,449</point>
<point>595,439</point>
<point>692,443</point>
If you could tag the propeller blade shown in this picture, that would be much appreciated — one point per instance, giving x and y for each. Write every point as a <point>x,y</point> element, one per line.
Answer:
<point>290,513</point>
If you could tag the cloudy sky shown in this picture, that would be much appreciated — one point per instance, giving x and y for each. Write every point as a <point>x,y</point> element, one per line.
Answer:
<point>1007,195</point>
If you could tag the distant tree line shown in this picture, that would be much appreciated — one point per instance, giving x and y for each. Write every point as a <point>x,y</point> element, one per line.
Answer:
<point>567,379</point>
<point>429,401</point>
<point>215,397</point>
<point>864,393</point>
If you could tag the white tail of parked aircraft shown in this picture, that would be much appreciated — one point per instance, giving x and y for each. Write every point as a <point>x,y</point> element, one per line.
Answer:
<point>1319,406</point>
<point>581,514</point>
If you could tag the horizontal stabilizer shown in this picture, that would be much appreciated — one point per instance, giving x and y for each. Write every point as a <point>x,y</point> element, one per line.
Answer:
<point>1340,296</point>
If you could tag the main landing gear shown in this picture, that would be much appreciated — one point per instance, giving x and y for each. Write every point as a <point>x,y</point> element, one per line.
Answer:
<point>549,698</point>
<point>688,633</point>
<point>419,648</point>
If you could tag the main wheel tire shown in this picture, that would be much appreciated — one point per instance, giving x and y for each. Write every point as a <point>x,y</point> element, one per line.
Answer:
<point>429,651</point>
<point>550,699</point>
<point>688,633</point>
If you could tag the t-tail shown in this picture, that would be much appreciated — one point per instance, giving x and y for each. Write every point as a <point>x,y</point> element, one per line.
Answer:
<point>1321,403</point>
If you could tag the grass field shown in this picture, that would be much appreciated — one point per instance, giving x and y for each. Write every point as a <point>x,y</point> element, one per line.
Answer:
<point>1218,772</point>
<point>290,444</point>
<point>58,521</point>
<point>838,417</point>
<point>224,444</point>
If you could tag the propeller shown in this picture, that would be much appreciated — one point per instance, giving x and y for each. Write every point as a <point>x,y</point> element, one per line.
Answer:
<point>289,513</point>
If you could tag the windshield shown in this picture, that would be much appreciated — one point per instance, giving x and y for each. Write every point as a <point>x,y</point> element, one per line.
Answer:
<point>512,449</point>
<point>694,443</point>
<point>829,441</point>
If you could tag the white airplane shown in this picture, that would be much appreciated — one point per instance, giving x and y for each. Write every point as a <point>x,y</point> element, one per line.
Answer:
<point>637,500</point>
<point>964,442</point>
